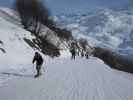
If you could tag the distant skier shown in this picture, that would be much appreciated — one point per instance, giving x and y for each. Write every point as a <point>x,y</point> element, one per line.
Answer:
<point>87,54</point>
<point>77,52</point>
<point>39,61</point>
<point>82,53</point>
<point>73,53</point>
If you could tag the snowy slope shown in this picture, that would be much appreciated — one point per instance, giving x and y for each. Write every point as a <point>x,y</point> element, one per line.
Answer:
<point>71,80</point>
<point>12,37</point>
<point>15,53</point>
<point>10,16</point>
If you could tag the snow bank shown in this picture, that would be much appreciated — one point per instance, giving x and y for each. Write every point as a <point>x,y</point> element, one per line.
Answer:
<point>17,51</point>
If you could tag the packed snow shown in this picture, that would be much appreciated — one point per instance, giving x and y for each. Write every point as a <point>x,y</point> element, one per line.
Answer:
<point>70,80</point>
<point>17,53</point>
<point>16,49</point>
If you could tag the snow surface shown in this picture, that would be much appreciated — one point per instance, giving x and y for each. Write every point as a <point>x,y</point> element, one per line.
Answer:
<point>18,53</point>
<point>71,80</point>
<point>16,49</point>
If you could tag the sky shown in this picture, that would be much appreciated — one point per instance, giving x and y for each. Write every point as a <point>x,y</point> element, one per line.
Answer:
<point>70,6</point>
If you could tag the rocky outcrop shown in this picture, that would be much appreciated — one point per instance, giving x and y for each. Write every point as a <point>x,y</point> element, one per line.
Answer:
<point>114,60</point>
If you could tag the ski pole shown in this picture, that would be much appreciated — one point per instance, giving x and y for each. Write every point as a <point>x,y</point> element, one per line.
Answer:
<point>33,69</point>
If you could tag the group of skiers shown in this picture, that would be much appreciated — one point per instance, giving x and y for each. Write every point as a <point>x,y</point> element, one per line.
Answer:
<point>73,50</point>
<point>77,52</point>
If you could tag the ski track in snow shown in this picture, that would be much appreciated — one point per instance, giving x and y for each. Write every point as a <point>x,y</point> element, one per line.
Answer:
<point>71,80</point>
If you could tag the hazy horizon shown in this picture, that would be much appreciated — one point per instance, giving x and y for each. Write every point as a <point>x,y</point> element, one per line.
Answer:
<point>70,6</point>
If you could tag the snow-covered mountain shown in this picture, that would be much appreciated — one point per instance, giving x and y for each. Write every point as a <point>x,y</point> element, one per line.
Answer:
<point>63,79</point>
<point>14,51</point>
<point>105,27</point>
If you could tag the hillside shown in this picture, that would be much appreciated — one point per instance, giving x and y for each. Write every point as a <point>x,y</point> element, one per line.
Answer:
<point>11,37</point>
<point>16,43</point>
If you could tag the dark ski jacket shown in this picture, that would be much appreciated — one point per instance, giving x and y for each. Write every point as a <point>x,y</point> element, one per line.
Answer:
<point>38,58</point>
<point>73,51</point>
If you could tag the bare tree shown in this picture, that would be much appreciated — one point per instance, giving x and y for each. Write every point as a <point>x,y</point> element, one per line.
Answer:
<point>33,13</point>
<point>63,33</point>
<point>83,42</point>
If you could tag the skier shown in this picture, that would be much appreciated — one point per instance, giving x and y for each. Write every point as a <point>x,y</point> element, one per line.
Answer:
<point>77,51</point>
<point>73,53</point>
<point>82,53</point>
<point>39,61</point>
<point>87,54</point>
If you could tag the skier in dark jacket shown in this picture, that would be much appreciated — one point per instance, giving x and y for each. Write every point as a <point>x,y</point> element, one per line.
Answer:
<point>73,52</point>
<point>87,54</point>
<point>39,61</point>
<point>82,53</point>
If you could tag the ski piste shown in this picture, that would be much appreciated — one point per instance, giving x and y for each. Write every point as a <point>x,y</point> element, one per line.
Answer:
<point>72,80</point>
